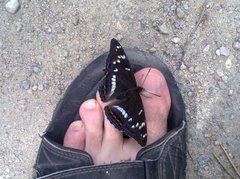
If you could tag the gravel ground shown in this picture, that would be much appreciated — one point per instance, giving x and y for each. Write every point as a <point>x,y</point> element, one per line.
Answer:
<point>45,44</point>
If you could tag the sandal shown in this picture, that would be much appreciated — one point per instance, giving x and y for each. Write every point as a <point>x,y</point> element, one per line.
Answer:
<point>165,158</point>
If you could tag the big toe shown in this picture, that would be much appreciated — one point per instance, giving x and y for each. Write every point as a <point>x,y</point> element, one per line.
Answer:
<point>156,101</point>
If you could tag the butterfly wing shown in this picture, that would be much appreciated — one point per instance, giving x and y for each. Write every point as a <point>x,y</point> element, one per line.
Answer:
<point>128,116</point>
<point>118,73</point>
<point>126,112</point>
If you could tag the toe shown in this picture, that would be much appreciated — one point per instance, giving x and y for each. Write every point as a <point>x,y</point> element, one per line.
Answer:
<point>92,117</point>
<point>156,101</point>
<point>75,136</point>
<point>112,136</point>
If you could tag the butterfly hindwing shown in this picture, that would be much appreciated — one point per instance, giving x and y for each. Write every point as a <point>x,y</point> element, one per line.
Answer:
<point>125,111</point>
<point>129,118</point>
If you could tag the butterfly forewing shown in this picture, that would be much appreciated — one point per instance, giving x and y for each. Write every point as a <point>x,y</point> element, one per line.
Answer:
<point>126,112</point>
<point>118,73</point>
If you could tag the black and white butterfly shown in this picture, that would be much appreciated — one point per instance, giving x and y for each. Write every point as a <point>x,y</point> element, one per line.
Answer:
<point>119,86</point>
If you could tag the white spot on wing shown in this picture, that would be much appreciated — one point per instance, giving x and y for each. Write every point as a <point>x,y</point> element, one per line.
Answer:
<point>118,61</point>
<point>129,120</point>
<point>140,112</point>
<point>127,69</point>
<point>115,70</point>
<point>145,135</point>
<point>123,112</point>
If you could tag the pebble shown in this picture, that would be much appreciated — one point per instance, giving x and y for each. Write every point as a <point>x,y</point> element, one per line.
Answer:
<point>59,91</point>
<point>19,27</point>
<point>35,87</point>
<point>152,50</point>
<point>12,6</point>
<point>216,142</point>
<point>221,85</point>
<point>206,48</point>
<point>197,69</point>
<point>36,69</point>
<point>203,160</point>
<point>163,29</point>
<point>189,93</point>
<point>224,51</point>
<point>218,52</point>
<point>183,67</point>
<point>25,84</point>
<point>228,63</point>
<point>119,37</point>
<point>230,92</point>
<point>65,53</point>
<point>40,87</point>
<point>220,73</point>
<point>75,20</point>
<point>191,69</point>
<point>180,13</point>
<point>2,47</point>
<point>236,45</point>
<point>175,40</point>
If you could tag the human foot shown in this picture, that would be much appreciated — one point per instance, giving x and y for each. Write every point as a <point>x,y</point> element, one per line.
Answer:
<point>95,135</point>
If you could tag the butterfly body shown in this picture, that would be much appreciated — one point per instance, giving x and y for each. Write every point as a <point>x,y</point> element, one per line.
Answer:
<point>119,88</point>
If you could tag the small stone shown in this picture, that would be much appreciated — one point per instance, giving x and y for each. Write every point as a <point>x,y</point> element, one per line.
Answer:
<point>40,87</point>
<point>228,63</point>
<point>19,27</point>
<point>216,142</point>
<point>218,52</point>
<point>221,85</point>
<point>59,91</point>
<point>65,53</point>
<point>75,20</point>
<point>203,160</point>
<point>12,6</point>
<point>224,51</point>
<point>206,48</point>
<point>2,46</point>
<point>183,67</point>
<point>230,92</point>
<point>36,69</point>
<point>197,69</point>
<point>119,37</point>
<point>59,72</point>
<point>236,45</point>
<point>191,69</point>
<point>189,93</point>
<point>163,29</point>
<point>35,87</point>
<point>7,170</point>
<point>180,13</point>
<point>175,40</point>
<point>152,50</point>
<point>173,7</point>
<point>25,84</point>
<point>220,73</point>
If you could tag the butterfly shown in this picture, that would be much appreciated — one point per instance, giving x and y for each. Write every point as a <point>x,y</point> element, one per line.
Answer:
<point>119,87</point>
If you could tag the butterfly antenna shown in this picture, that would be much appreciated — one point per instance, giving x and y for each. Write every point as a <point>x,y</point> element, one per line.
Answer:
<point>145,77</point>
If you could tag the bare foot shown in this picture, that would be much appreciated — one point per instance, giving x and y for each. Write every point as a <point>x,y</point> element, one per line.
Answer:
<point>95,135</point>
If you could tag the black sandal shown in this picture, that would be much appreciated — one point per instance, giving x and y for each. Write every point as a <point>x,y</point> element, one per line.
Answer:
<point>165,158</point>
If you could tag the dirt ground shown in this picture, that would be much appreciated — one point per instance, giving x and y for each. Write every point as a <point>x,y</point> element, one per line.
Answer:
<point>45,44</point>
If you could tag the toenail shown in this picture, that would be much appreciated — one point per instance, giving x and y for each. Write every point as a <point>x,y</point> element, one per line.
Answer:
<point>90,104</point>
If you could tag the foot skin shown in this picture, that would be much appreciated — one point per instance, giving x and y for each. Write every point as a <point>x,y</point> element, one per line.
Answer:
<point>95,135</point>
